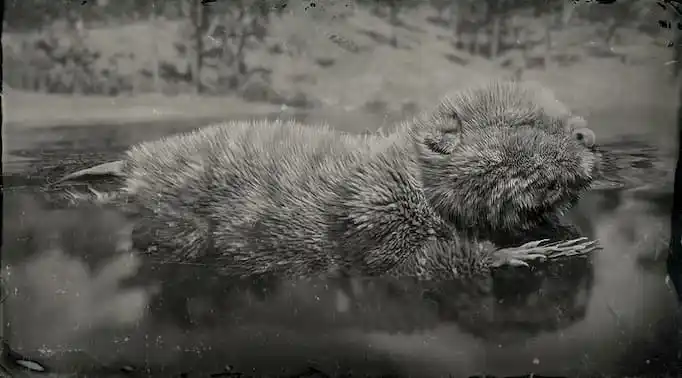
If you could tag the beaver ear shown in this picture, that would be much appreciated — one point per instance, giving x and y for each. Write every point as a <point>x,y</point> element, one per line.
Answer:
<point>445,135</point>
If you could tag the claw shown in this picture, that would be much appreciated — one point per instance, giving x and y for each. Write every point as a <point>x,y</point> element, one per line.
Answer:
<point>566,250</point>
<point>534,244</point>
<point>517,263</point>
<point>536,256</point>
<point>536,250</point>
<point>569,243</point>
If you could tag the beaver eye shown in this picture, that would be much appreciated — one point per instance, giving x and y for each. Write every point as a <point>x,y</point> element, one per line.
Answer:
<point>585,136</point>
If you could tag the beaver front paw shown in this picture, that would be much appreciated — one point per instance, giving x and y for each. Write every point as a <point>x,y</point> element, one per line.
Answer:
<point>539,251</point>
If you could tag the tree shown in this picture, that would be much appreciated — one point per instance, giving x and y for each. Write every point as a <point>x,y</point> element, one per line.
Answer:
<point>548,11</point>
<point>454,9</point>
<point>496,11</point>
<point>440,6</point>
<point>394,8</point>
<point>614,16</point>
<point>455,21</point>
<point>234,28</point>
<point>22,15</point>
<point>468,20</point>
<point>155,54</point>
<point>194,13</point>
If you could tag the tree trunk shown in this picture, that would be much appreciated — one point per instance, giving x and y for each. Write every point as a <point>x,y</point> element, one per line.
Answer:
<point>567,13</point>
<point>455,22</point>
<point>496,35</point>
<point>196,18</point>
<point>199,43</point>
<point>155,52</point>
<point>226,53</point>
<point>610,33</point>
<point>548,40</point>
<point>475,41</point>
<point>77,36</point>
<point>394,24</point>
<point>523,46</point>
<point>494,13</point>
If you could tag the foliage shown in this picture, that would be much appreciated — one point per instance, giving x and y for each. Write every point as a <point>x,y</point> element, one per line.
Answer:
<point>614,16</point>
<point>234,28</point>
<point>391,9</point>
<point>217,38</point>
<point>61,61</point>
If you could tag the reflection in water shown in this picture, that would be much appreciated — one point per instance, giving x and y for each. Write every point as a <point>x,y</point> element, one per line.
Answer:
<point>68,267</point>
<point>79,298</point>
<point>66,272</point>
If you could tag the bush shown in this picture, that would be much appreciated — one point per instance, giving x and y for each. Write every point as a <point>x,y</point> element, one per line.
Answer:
<point>259,90</point>
<point>376,106</point>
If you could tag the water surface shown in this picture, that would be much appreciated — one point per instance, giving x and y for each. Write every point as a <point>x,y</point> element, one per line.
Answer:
<point>78,299</point>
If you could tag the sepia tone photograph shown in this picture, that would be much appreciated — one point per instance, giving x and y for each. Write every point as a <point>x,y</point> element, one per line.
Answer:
<point>337,188</point>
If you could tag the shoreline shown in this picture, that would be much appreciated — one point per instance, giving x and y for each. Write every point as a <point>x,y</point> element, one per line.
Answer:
<point>25,111</point>
<point>80,111</point>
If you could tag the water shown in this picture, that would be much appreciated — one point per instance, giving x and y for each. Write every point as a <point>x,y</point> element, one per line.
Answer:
<point>78,300</point>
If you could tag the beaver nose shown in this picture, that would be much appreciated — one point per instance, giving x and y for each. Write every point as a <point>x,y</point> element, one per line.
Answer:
<point>585,136</point>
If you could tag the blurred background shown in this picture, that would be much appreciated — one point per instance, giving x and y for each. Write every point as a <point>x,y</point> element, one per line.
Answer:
<point>83,80</point>
<point>145,59</point>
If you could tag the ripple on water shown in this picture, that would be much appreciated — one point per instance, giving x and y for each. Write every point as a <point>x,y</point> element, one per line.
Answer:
<point>75,287</point>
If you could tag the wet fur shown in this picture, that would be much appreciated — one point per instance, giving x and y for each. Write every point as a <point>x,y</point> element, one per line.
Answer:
<point>283,198</point>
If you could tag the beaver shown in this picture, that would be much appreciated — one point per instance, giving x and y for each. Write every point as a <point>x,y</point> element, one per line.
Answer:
<point>492,164</point>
